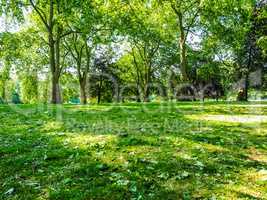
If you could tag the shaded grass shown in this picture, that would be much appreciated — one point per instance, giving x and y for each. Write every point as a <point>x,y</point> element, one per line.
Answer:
<point>134,151</point>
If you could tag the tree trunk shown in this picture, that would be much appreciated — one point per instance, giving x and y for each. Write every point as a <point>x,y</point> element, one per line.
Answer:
<point>54,48</point>
<point>146,93</point>
<point>99,95</point>
<point>117,94</point>
<point>246,87</point>
<point>3,91</point>
<point>243,92</point>
<point>83,96</point>
<point>55,68</point>
<point>147,82</point>
<point>182,45</point>
<point>99,91</point>
<point>54,58</point>
<point>56,98</point>
<point>55,79</point>
<point>183,61</point>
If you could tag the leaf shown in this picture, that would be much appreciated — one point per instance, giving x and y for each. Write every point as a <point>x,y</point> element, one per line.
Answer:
<point>199,164</point>
<point>164,175</point>
<point>185,174</point>
<point>122,182</point>
<point>133,188</point>
<point>102,166</point>
<point>67,180</point>
<point>61,134</point>
<point>10,191</point>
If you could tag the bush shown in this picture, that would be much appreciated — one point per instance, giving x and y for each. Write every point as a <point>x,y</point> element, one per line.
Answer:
<point>16,98</point>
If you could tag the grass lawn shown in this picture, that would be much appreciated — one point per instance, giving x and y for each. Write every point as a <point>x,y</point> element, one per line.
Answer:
<point>134,151</point>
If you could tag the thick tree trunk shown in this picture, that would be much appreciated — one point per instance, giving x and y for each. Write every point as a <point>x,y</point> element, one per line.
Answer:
<point>243,92</point>
<point>117,94</point>
<point>83,95</point>
<point>55,79</point>
<point>146,93</point>
<point>182,45</point>
<point>56,97</point>
<point>54,58</point>
<point>55,68</point>
<point>138,92</point>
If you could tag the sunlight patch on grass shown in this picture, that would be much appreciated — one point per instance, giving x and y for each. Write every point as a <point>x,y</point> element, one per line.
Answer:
<point>257,155</point>
<point>190,106</point>
<point>255,176</point>
<point>248,191</point>
<point>111,158</point>
<point>183,154</point>
<point>88,108</point>
<point>255,183</point>
<point>231,118</point>
<point>142,150</point>
<point>174,185</point>
<point>260,131</point>
<point>214,148</point>
<point>52,126</point>
<point>262,175</point>
<point>83,141</point>
<point>252,105</point>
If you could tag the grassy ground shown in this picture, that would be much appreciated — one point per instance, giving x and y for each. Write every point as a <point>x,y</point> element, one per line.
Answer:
<point>134,151</point>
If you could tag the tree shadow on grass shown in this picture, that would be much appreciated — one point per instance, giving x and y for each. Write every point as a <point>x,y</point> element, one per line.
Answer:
<point>148,161</point>
<point>37,164</point>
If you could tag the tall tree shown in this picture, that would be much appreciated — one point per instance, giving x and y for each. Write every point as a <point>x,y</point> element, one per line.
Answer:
<point>81,55</point>
<point>9,52</point>
<point>187,13</point>
<point>52,15</point>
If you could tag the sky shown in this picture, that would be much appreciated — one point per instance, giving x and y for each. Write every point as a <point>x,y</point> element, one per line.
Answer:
<point>7,25</point>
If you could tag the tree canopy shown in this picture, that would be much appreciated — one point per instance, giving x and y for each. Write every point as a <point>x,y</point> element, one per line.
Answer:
<point>132,50</point>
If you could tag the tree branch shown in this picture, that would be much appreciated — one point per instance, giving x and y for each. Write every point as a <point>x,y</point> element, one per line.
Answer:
<point>41,15</point>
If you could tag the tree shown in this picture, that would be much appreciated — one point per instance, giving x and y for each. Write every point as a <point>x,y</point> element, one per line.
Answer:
<point>80,53</point>
<point>187,13</point>
<point>143,54</point>
<point>52,15</point>
<point>9,52</point>
<point>227,25</point>
<point>144,36</point>
<point>29,88</point>
<point>103,84</point>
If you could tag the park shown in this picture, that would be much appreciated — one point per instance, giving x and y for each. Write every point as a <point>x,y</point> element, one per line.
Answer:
<point>133,99</point>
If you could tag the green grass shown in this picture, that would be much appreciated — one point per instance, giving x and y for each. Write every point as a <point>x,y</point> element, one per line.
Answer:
<point>134,151</point>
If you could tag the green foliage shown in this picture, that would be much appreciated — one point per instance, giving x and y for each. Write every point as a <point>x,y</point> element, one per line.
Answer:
<point>163,43</point>
<point>29,89</point>
<point>70,87</point>
<point>262,42</point>
<point>16,98</point>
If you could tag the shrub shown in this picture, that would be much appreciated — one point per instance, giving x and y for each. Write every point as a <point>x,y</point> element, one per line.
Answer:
<point>16,98</point>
